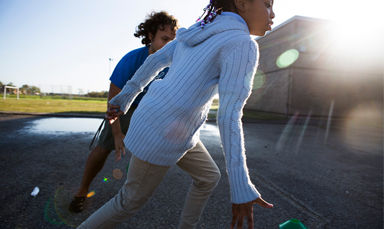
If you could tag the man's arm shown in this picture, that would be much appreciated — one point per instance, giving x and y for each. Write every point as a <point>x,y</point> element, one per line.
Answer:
<point>116,129</point>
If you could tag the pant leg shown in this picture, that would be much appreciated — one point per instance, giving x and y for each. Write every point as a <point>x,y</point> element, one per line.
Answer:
<point>142,180</point>
<point>199,164</point>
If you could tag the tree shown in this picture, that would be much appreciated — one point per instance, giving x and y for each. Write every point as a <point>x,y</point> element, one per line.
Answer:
<point>30,90</point>
<point>34,90</point>
<point>24,89</point>
<point>103,94</point>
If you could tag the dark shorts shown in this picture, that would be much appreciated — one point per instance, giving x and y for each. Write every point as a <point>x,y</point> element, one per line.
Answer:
<point>106,140</point>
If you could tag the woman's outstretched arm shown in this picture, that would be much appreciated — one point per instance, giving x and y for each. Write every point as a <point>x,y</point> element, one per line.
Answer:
<point>143,76</point>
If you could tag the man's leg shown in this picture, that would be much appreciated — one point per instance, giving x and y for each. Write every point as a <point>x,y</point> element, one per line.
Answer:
<point>93,166</point>
<point>97,158</point>
<point>142,180</point>
<point>199,164</point>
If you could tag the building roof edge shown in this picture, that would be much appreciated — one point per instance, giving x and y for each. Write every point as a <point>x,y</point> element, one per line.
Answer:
<point>294,18</point>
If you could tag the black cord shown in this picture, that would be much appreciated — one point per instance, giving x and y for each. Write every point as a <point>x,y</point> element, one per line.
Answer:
<point>91,146</point>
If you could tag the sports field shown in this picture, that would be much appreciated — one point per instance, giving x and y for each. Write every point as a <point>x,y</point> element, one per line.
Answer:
<point>54,105</point>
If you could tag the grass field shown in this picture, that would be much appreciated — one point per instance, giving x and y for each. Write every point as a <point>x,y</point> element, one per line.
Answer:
<point>51,97</point>
<point>47,105</point>
<point>88,105</point>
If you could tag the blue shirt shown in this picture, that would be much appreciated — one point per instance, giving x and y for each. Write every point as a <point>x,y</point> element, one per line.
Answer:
<point>127,67</point>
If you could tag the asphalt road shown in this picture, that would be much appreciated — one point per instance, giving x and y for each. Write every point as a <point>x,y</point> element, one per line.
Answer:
<point>325,177</point>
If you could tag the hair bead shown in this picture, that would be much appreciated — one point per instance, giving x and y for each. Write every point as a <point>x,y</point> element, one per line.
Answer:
<point>211,14</point>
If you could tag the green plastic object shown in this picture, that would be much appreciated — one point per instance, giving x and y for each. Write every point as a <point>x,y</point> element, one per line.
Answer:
<point>292,224</point>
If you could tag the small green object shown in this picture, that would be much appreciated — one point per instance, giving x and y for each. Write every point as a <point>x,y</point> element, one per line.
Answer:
<point>127,167</point>
<point>292,224</point>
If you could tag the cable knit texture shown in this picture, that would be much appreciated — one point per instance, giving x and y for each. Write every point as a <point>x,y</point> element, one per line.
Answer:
<point>221,58</point>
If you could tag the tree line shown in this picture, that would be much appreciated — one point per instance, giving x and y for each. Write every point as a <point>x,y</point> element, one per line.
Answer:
<point>33,90</point>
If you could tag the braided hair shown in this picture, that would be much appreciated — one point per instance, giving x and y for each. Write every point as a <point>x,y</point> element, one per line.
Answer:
<point>214,8</point>
<point>154,22</point>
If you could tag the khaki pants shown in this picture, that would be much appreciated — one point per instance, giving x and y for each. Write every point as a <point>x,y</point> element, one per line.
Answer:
<point>142,180</point>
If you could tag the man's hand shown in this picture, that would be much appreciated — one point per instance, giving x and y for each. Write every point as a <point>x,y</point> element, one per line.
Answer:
<point>119,145</point>
<point>239,211</point>
<point>113,113</point>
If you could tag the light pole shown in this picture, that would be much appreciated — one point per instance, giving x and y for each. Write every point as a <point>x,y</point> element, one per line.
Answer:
<point>110,60</point>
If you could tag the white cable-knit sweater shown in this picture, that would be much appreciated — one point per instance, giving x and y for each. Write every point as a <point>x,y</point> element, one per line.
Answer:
<point>221,58</point>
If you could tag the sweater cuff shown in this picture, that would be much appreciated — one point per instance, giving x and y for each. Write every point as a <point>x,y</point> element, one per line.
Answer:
<point>242,189</point>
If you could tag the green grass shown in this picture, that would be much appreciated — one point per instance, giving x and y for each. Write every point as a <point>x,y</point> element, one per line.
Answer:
<point>46,105</point>
<point>49,97</point>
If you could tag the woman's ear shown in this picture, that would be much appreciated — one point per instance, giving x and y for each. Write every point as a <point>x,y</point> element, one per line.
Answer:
<point>240,5</point>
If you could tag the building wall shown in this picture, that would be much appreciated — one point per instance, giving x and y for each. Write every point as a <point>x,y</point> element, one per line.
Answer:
<point>318,90</point>
<point>329,71</point>
<point>272,96</point>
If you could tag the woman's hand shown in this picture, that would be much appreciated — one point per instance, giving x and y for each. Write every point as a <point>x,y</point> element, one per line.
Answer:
<point>113,113</point>
<point>119,145</point>
<point>239,211</point>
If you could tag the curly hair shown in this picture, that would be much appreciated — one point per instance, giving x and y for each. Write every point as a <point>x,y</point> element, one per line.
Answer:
<point>153,22</point>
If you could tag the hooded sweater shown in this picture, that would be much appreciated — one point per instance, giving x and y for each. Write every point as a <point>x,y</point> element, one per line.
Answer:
<point>219,58</point>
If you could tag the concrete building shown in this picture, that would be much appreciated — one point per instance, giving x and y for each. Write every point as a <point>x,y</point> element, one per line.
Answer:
<point>311,66</point>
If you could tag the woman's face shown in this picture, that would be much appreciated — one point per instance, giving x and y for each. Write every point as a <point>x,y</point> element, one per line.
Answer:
<point>258,15</point>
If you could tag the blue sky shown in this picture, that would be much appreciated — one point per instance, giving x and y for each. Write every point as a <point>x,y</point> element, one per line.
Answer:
<point>52,44</point>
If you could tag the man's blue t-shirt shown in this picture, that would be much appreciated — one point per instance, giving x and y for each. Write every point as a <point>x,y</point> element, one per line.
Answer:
<point>127,67</point>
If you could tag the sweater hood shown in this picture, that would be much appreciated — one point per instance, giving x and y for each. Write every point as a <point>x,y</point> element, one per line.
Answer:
<point>195,35</point>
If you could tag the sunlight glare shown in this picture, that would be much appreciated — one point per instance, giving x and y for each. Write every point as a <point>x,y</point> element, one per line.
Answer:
<point>358,30</point>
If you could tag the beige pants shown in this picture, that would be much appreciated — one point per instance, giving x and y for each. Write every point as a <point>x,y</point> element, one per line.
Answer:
<point>142,180</point>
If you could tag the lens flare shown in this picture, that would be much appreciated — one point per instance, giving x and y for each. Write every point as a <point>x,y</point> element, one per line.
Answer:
<point>174,132</point>
<point>287,58</point>
<point>259,80</point>
<point>329,120</point>
<point>363,128</point>
<point>91,194</point>
<point>286,132</point>
<point>303,131</point>
<point>56,209</point>
<point>117,174</point>
<point>50,213</point>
